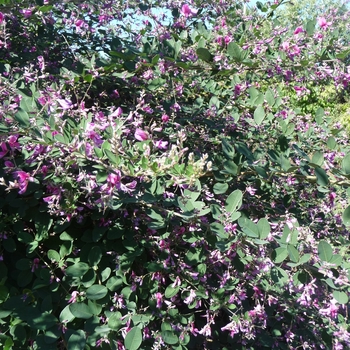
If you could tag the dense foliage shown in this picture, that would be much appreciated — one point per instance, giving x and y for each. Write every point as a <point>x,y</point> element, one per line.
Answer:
<point>172,177</point>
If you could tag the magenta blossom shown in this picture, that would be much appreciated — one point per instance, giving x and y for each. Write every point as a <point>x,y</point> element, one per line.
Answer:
<point>26,13</point>
<point>141,135</point>
<point>188,11</point>
<point>298,30</point>
<point>23,179</point>
<point>322,22</point>
<point>2,17</point>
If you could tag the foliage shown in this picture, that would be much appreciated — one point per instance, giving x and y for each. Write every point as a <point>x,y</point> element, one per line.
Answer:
<point>181,185</point>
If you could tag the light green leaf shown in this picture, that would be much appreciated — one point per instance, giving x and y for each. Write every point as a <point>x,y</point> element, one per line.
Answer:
<point>293,253</point>
<point>346,164</point>
<point>259,115</point>
<point>133,339</point>
<point>280,254</point>
<point>220,188</point>
<point>235,51</point>
<point>325,251</point>
<point>340,297</point>
<point>346,216</point>
<point>234,201</point>
<point>318,158</point>
<point>264,228</point>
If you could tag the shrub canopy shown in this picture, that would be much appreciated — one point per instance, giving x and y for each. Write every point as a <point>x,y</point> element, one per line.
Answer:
<point>172,177</point>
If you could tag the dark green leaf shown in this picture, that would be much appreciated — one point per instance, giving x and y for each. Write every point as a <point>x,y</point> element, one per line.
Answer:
<point>77,340</point>
<point>322,177</point>
<point>80,310</point>
<point>204,54</point>
<point>96,292</point>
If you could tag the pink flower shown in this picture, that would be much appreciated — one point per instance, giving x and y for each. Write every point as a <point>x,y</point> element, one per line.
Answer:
<point>2,17</point>
<point>141,135</point>
<point>322,22</point>
<point>26,13</point>
<point>187,11</point>
<point>165,118</point>
<point>298,30</point>
<point>23,179</point>
<point>161,144</point>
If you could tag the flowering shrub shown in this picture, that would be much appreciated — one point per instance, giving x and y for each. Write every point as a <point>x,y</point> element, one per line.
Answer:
<point>171,178</point>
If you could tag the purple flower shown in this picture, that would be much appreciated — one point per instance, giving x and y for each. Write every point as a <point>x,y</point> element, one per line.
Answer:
<point>64,103</point>
<point>141,135</point>
<point>188,11</point>
<point>2,17</point>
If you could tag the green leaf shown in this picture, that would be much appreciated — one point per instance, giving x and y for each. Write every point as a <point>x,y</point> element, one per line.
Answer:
<point>346,216</point>
<point>96,292</point>
<point>264,228</point>
<point>293,253</point>
<point>133,339</point>
<point>219,230</point>
<point>322,177</point>
<point>204,54</point>
<point>340,297</point>
<point>318,158</point>
<point>259,115</point>
<point>310,27</point>
<point>22,118</point>
<point>114,283</point>
<point>53,255</point>
<point>115,321</point>
<point>319,116</point>
<point>336,259</point>
<point>220,188</point>
<point>325,251</point>
<point>77,340</point>
<point>279,255</point>
<point>170,337</point>
<point>171,291</point>
<point>346,164</point>
<point>228,149</point>
<point>80,310</point>
<point>269,97</point>
<point>235,51</point>
<point>77,270</point>
<point>331,143</point>
<point>234,201</point>
<point>95,256</point>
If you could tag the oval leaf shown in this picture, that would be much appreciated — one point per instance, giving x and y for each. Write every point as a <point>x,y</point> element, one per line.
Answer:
<point>96,292</point>
<point>325,251</point>
<point>133,339</point>
<point>259,115</point>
